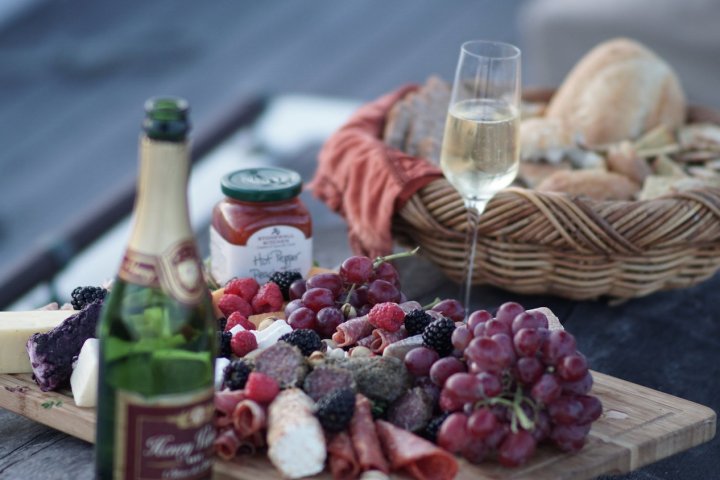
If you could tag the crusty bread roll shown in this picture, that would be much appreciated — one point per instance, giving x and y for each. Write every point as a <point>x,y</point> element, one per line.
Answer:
<point>618,91</point>
<point>544,138</point>
<point>623,159</point>
<point>596,184</point>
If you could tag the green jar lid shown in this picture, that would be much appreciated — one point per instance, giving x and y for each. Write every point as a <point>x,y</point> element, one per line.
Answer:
<point>266,184</point>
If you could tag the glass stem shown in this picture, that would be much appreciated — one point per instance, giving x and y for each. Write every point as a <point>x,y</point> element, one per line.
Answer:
<point>475,208</point>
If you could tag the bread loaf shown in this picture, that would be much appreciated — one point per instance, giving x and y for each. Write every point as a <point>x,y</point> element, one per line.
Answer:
<point>618,91</point>
<point>596,184</point>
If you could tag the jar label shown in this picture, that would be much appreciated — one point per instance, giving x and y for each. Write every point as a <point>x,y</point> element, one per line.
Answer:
<point>271,249</point>
<point>166,437</point>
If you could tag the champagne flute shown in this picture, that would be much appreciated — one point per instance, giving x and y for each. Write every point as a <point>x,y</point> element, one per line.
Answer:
<point>480,147</point>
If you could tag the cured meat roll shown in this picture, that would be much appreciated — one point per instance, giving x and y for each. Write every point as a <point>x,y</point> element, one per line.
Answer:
<point>226,400</point>
<point>343,462</point>
<point>226,444</point>
<point>414,455</point>
<point>249,417</point>
<point>365,439</point>
<point>381,339</point>
<point>348,333</point>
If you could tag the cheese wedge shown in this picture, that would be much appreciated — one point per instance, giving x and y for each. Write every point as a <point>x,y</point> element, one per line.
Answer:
<point>84,378</point>
<point>15,330</point>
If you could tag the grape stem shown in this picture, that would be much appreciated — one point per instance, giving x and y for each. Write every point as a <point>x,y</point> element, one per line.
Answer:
<point>352,289</point>
<point>432,304</point>
<point>395,256</point>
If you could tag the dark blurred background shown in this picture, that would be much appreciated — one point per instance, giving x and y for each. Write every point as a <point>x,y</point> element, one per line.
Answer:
<point>76,72</point>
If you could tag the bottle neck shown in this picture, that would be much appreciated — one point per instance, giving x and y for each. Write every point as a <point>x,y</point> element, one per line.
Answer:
<point>161,208</point>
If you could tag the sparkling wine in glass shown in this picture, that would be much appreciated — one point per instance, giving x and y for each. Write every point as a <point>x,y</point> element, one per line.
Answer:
<point>480,147</point>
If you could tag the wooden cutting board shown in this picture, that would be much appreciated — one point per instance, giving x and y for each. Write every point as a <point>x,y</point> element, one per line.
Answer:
<point>638,426</point>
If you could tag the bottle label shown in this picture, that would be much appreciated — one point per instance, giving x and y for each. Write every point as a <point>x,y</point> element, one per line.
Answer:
<point>168,437</point>
<point>177,271</point>
<point>271,249</point>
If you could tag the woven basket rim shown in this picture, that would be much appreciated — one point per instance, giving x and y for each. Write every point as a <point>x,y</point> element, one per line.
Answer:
<point>555,243</point>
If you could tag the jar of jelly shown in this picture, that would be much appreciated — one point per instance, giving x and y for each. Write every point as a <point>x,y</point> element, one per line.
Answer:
<point>261,226</point>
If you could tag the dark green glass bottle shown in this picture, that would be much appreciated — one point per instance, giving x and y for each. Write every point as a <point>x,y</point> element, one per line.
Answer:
<point>157,333</point>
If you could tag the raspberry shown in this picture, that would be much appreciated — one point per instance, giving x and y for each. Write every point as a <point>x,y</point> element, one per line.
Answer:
<point>228,304</point>
<point>237,318</point>
<point>242,287</point>
<point>388,316</point>
<point>261,388</point>
<point>268,299</point>
<point>243,342</point>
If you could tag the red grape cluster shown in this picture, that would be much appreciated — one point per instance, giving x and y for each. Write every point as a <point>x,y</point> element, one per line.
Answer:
<point>511,384</point>
<point>324,301</point>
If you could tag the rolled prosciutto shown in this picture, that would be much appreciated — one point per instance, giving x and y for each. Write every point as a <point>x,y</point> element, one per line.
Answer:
<point>366,341</point>
<point>249,417</point>
<point>365,438</point>
<point>414,455</point>
<point>348,333</point>
<point>381,339</point>
<point>342,459</point>
<point>226,444</point>
<point>226,400</point>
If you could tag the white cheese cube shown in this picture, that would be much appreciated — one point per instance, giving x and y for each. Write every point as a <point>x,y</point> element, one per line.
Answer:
<point>220,364</point>
<point>15,330</point>
<point>237,328</point>
<point>269,336</point>
<point>84,378</point>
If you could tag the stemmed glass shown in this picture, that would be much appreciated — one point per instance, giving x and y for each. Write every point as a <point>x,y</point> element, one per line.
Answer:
<point>480,147</point>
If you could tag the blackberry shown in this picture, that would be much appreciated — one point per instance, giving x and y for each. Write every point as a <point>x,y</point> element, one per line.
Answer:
<point>305,339</point>
<point>222,323</point>
<point>438,335</point>
<point>433,427</point>
<point>224,339</point>
<point>336,409</point>
<point>416,321</point>
<point>83,296</point>
<point>284,280</point>
<point>236,374</point>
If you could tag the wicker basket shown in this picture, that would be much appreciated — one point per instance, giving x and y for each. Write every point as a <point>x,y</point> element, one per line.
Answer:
<point>533,243</point>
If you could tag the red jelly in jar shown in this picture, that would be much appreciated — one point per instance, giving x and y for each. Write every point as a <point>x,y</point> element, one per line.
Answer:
<point>261,226</point>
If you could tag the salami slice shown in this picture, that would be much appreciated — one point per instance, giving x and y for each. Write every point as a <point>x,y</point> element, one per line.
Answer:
<point>365,439</point>
<point>348,333</point>
<point>325,379</point>
<point>412,411</point>
<point>342,459</point>
<point>416,456</point>
<point>381,339</point>
<point>284,362</point>
<point>249,417</point>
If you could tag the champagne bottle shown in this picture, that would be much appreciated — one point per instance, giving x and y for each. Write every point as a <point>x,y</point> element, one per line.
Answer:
<point>157,333</point>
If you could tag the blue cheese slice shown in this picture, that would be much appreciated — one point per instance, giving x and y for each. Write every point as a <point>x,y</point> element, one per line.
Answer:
<point>15,330</point>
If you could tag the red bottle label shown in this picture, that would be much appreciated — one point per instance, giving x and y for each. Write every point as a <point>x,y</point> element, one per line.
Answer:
<point>167,438</point>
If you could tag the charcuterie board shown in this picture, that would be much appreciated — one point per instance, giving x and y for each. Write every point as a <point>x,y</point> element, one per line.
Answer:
<point>638,426</point>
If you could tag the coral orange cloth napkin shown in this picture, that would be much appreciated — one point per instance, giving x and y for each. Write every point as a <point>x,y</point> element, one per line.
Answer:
<point>366,181</point>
